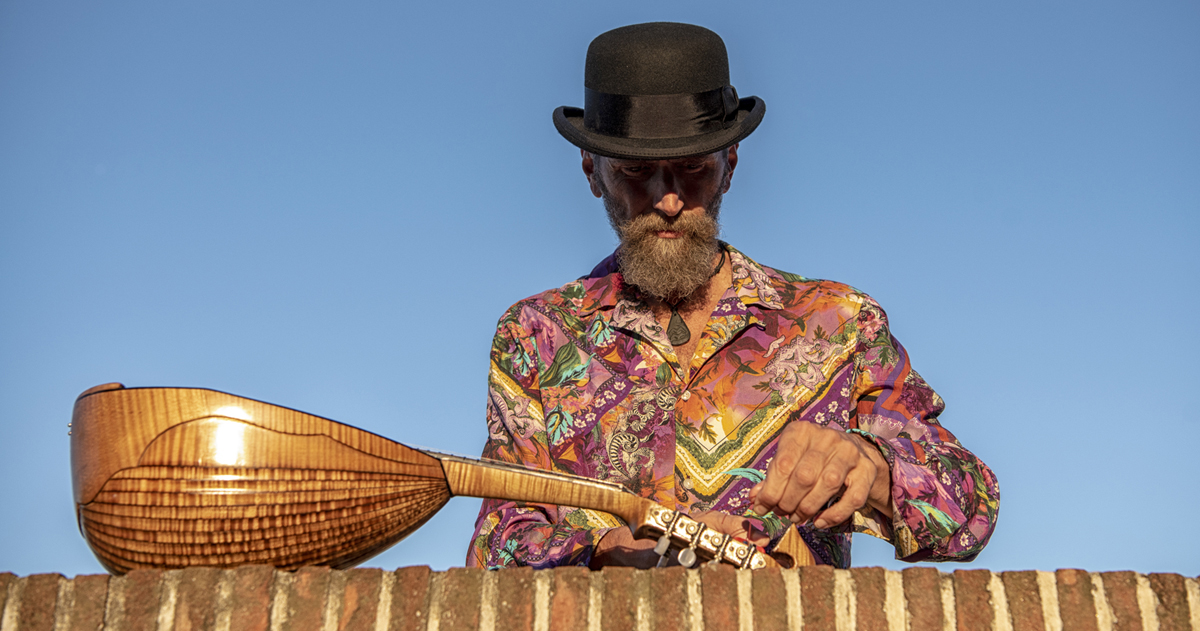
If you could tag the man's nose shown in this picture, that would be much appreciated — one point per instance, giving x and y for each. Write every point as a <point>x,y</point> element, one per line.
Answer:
<point>666,195</point>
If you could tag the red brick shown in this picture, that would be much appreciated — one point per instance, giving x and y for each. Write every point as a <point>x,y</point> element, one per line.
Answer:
<point>195,599</point>
<point>1172,602</point>
<point>666,589</point>
<point>816,593</point>
<point>250,602</point>
<point>1024,600</point>
<point>306,599</point>
<point>515,592</point>
<point>461,589</point>
<point>37,602</point>
<point>569,598</point>
<point>923,596</point>
<point>410,599</point>
<point>972,600</point>
<point>668,598</point>
<point>718,587</point>
<point>1120,590</point>
<point>769,598</point>
<point>621,592</point>
<point>1075,604</point>
<point>870,587</point>
<point>91,599</point>
<point>360,600</point>
<point>143,592</point>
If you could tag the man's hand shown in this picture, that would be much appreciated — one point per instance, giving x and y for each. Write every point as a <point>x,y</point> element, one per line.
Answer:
<point>618,547</point>
<point>815,464</point>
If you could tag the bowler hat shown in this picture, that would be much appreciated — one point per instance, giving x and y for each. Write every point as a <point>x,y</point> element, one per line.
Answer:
<point>657,91</point>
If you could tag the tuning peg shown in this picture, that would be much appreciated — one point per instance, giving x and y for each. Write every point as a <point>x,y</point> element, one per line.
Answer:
<point>662,548</point>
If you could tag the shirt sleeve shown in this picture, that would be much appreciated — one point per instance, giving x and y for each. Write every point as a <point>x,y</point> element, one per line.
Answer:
<point>945,500</point>
<point>518,533</point>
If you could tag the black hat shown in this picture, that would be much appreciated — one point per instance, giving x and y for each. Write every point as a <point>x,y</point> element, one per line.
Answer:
<point>656,91</point>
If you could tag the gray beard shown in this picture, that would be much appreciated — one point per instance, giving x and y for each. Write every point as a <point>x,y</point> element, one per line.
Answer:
<point>668,269</point>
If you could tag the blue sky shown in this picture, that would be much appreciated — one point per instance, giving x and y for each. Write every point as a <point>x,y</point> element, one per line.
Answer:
<point>328,205</point>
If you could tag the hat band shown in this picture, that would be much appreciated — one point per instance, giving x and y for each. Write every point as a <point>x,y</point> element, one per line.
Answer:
<point>659,115</point>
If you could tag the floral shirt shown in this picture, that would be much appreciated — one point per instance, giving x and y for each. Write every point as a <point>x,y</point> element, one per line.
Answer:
<point>584,381</point>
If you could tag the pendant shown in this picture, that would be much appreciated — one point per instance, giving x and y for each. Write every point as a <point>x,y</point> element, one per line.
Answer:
<point>677,330</point>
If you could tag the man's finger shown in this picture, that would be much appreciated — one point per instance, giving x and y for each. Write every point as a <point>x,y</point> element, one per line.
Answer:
<point>806,481</point>
<point>858,485</point>
<point>793,443</point>
<point>723,523</point>
<point>841,457</point>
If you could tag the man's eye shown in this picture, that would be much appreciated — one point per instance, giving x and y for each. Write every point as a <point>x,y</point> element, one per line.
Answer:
<point>634,170</point>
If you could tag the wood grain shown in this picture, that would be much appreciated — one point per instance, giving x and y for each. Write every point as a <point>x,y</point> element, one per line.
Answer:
<point>179,477</point>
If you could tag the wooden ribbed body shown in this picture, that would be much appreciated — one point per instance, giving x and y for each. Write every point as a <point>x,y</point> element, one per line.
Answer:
<point>181,516</point>
<point>173,477</point>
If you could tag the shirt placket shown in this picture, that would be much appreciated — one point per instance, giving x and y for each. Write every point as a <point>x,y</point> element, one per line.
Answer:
<point>729,320</point>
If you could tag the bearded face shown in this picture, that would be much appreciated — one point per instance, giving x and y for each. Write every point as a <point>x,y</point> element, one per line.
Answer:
<point>670,269</point>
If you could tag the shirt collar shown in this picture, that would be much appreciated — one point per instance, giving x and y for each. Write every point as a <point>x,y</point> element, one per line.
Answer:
<point>752,283</point>
<point>605,289</point>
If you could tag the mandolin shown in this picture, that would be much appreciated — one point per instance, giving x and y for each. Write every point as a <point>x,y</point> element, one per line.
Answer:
<point>179,477</point>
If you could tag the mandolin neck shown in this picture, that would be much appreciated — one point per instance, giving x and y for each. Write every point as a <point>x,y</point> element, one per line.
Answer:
<point>503,481</point>
<point>488,479</point>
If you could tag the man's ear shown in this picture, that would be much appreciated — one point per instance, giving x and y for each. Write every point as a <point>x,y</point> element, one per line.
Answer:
<point>589,169</point>
<point>731,160</point>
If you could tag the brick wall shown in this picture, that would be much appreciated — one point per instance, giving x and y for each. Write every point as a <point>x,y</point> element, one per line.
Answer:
<point>258,598</point>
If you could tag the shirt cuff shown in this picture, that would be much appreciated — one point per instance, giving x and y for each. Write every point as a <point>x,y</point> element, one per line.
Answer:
<point>869,520</point>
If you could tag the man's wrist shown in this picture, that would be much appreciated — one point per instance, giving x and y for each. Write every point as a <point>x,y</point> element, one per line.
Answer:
<point>880,497</point>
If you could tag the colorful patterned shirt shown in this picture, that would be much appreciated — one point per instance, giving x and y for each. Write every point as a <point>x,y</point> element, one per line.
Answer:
<point>584,381</point>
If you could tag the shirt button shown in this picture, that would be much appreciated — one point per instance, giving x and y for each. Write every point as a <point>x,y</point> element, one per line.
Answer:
<point>687,394</point>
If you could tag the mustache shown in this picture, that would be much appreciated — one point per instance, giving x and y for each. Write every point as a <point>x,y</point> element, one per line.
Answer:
<point>690,225</point>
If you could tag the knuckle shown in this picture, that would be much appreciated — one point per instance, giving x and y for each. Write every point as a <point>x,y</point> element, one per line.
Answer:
<point>769,495</point>
<point>784,461</point>
<point>805,475</point>
<point>856,497</point>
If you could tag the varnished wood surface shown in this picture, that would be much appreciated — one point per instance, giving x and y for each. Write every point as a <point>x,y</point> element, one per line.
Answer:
<point>177,477</point>
<point>473,478</point>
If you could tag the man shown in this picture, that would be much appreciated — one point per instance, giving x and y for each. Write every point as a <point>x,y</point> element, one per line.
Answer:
<point>753,399</point>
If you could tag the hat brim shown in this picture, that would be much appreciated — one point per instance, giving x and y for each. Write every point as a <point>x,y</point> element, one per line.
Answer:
<point>569,122</point>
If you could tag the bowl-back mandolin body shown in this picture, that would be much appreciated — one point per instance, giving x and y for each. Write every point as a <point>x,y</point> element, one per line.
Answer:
<point>174,477</point>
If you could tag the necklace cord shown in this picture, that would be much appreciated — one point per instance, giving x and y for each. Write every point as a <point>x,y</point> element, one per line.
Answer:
<point>677,330</point>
